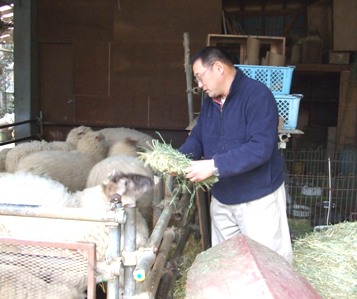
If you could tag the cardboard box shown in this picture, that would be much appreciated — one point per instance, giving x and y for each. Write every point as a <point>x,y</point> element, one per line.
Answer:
<point>339,57</point>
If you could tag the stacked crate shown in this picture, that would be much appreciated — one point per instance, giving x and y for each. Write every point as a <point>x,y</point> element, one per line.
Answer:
<point>278,79</point>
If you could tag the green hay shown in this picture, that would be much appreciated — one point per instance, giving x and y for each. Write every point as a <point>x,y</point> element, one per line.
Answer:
<point>192,248</point>
<point>328,260</point>
<point>162,157</point>
<point>299,227</point>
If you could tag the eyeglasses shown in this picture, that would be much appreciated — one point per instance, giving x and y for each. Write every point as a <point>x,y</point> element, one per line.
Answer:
<point>198,78</point>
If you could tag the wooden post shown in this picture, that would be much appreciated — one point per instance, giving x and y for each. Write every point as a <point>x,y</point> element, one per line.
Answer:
<point>188,71</point>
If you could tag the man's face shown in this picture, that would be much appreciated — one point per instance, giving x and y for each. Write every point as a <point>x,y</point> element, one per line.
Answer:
<point>206,78</point>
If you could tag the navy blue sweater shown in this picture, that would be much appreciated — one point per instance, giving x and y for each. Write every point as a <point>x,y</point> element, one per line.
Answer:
<point>242,138</point>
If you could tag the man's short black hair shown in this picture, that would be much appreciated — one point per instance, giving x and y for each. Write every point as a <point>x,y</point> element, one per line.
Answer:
<point>211,54</point>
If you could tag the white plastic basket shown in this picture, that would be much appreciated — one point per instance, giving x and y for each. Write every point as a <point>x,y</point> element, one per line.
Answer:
<point>288,107</point>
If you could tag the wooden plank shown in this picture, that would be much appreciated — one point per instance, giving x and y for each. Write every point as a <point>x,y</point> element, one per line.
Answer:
<point>319,16</point>
<point>323,68</point>
<point>344,25</point>
<point>203,203</point>
<point>347,113</point>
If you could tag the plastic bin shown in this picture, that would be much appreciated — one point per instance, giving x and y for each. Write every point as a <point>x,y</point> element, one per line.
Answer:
<point>277,78</point>
<point>288,107</point>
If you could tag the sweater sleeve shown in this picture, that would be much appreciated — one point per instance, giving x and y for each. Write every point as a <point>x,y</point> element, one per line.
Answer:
<point>193,147</point>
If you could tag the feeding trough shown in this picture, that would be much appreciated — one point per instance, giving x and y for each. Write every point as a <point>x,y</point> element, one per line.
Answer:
<point>243,268</point>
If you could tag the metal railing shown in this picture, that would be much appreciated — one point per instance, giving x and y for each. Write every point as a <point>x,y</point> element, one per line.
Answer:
<point>36,121</point>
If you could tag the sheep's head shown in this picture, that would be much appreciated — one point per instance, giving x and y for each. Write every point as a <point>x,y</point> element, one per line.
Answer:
<point>77,133</point>
<point>126,188</point>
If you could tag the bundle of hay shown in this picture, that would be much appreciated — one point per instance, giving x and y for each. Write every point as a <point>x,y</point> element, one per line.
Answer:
<point>328,260</point>
<point>163,158</point>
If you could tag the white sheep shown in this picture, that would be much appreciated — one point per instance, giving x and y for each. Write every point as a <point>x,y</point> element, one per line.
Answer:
<point>24,149</point>
<point>7,119</point>
<point>71,168</point>
<point>42,191</point>
<point>76,134</point>
<point>20,151</point>
<point>71,141</point>
<point>3,154</point>
<point>124,164</point>
<point>127,147</point>
<point>121,133</point>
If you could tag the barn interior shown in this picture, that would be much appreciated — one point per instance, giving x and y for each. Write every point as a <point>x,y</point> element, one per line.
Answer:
<point>124,63</point>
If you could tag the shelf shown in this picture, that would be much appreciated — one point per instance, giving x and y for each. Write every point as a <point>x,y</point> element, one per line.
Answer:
<point>322,68</point>
<point>236,45</point>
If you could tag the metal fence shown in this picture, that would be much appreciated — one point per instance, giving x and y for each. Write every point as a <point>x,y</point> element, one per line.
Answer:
<point>34,269</point>
<point>322,186</point>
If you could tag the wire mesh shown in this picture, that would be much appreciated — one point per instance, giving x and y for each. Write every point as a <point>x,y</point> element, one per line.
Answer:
<point>36,269</point>
<point>308,190</point>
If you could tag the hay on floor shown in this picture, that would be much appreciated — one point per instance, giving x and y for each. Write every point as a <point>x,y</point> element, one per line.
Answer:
<point>328,260</point>
<point>192,249</point>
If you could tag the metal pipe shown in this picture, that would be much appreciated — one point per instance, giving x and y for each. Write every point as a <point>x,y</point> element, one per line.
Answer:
<point>144,264</point>
<point>329,192</point>
<point>113,254</point>
<point>148,257</point>
<point>129,251</point>
<point>80,214</point>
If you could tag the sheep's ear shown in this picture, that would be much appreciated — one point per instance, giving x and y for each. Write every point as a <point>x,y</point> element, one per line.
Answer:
<point>131,142</point>
<point>114,176</point>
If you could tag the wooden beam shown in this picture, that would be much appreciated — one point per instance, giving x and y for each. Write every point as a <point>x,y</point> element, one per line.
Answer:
<point>246,14</point>
<point>291,24</point>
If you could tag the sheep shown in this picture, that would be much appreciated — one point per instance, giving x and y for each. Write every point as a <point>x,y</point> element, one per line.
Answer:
<point>125,164</point>
<point>127,147</point>
<point>24,149</point>
<point>71,168</point>
<point>20,151</point>
<point>116,134</point>
<point>76,134</point>
<point>3,154</point>
<point>7,119</point>
<point>71,141</point>
<point>49,193</point>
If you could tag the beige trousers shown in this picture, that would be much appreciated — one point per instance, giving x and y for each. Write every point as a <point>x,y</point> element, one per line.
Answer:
<point>264,220</point>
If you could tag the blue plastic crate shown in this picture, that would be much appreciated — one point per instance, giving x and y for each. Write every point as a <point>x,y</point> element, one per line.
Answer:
<point>288,107</point>
<point>277,78</point>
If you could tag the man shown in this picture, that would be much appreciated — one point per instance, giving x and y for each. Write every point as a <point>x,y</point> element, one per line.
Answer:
<point>236,139</point>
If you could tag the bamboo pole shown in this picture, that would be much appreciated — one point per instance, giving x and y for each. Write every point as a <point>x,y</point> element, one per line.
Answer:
<point>188,72</point>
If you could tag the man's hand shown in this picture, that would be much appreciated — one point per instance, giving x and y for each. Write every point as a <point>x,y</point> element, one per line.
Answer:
<point>200,170</point>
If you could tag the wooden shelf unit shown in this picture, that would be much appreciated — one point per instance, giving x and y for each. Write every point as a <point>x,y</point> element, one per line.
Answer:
<point>236,45</point>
